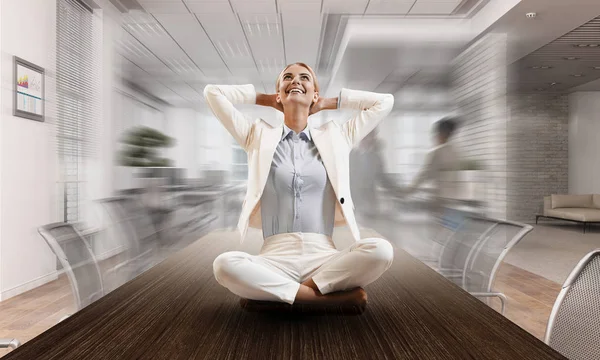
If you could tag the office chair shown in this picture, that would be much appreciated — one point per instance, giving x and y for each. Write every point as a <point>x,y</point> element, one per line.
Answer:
<point>575,319</point>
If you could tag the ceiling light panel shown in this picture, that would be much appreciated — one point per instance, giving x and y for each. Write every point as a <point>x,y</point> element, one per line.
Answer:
<point>345,6</point>
<point>189,34</point>
<point>434,8</point>
<point>163,7</point>
<point>389,7</point>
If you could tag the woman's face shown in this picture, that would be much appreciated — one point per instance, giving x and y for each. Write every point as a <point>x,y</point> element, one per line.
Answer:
<point>297,86</point>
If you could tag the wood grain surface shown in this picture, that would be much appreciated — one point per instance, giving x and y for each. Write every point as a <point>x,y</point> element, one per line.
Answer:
<point>177,310</point>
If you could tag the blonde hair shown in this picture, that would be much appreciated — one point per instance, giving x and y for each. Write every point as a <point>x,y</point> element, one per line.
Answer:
<point>310,70</point>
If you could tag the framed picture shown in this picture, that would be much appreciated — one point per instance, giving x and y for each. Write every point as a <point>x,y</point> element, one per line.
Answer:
<point>29,90</point>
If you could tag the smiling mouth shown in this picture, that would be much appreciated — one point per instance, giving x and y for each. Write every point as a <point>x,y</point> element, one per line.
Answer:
<point>295,91</point>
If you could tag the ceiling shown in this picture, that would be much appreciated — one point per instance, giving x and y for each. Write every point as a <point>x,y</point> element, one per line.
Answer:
<point>540,48</point>
<point>173,48</point>
<point>567,62</point>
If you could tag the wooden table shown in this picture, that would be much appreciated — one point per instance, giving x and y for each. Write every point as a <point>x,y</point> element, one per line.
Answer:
<point>177,310</point>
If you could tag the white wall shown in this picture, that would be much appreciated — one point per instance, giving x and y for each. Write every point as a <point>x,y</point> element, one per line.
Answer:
<point>27,154</point>
<point>584,147</point>
<point>182,125</point>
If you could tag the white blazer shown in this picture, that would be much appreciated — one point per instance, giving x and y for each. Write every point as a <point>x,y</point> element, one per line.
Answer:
<point>334,142</point>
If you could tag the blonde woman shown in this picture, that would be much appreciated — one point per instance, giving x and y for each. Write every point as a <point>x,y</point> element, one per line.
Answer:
<point>298,190</point>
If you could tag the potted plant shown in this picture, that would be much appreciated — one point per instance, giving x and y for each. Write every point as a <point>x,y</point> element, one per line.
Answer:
<point>142,148</point>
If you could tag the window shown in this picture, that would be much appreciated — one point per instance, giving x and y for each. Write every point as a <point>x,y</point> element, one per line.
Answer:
<point>410,137</point>
<point>78,100</point>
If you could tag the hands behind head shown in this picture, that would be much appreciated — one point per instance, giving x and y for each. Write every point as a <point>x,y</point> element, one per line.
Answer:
<point>320,104</point>
<point>317,106</point>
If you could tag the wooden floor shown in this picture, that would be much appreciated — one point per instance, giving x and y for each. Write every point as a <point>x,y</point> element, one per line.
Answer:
<point>530,300</point>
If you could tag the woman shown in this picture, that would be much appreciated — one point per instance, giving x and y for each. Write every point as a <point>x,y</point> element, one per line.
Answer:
<point>298,188</point>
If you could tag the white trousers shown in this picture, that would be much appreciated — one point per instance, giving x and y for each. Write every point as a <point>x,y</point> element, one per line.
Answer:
<point>287,260</point>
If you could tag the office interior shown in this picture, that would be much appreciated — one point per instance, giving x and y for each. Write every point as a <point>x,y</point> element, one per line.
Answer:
<point>127,153</point>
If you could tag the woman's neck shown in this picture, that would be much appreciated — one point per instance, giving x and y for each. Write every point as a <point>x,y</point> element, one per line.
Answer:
<point>296,118</point>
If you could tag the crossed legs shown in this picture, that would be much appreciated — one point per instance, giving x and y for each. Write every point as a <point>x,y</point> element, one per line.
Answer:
<point>337,277</point>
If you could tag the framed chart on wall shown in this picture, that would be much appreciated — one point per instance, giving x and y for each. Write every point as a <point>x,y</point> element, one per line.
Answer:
<point>29,90</point>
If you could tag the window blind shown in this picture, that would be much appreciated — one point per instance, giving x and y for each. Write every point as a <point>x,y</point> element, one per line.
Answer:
<point>78,102</point>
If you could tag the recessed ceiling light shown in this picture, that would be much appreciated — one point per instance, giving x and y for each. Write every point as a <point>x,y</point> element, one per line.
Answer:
<point>576,75</point>
<point>539,89</point>
<point>553,83</point>
<point>571,58</point>
<point>596,67</point>
<point>540,67</point>
<point>586,45</point>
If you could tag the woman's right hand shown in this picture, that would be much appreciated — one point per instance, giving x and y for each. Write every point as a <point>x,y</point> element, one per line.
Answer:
<point>268,100</point>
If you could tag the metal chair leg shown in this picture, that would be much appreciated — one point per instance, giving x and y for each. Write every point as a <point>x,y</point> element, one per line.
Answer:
<point>500,296</point>
<point>10,343</point>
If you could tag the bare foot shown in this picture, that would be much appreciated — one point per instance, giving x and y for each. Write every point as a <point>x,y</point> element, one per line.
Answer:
<point>358,297</point>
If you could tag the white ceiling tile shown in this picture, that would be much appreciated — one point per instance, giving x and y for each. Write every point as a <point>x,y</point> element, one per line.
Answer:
<point>209,7</point>
<point>292,6</point>
<point>220,26</point>
<point>164,7</point>
<point>204,1</point>
<point>185,91</point>
<point>255,7</point>
<point>389,7</point>
<point>434,8</point>
<point>269,68</point>
<point>259,19</point>
<point>226,33</point>
<point>162,72</point>
<point>188,33</point>
<point>345,6</point>
<point>302,33</point>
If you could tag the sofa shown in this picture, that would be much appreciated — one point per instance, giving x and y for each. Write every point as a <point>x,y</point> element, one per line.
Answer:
<point>584,209</point>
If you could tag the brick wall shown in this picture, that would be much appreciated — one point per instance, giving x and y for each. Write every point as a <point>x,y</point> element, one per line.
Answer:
<point>537,152</point>
<point>479,91</point>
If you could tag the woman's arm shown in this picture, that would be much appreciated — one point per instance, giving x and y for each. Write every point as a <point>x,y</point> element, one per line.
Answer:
<point>424,174</point>
<point>221,100</point>
<point>372,107</point>
<point>269,100</point>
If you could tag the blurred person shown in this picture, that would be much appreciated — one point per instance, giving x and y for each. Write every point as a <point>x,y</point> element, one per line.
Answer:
<point>298,190</point>
<point>368,175</point>
<point>440,169</point>
<point>440,162</point>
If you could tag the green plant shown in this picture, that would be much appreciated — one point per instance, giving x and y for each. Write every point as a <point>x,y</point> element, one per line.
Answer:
<point>470,165</point>
<point>142,146</point>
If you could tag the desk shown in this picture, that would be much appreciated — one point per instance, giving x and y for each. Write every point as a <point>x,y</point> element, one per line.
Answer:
<point>220,196</point>
<point>177,310</point>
